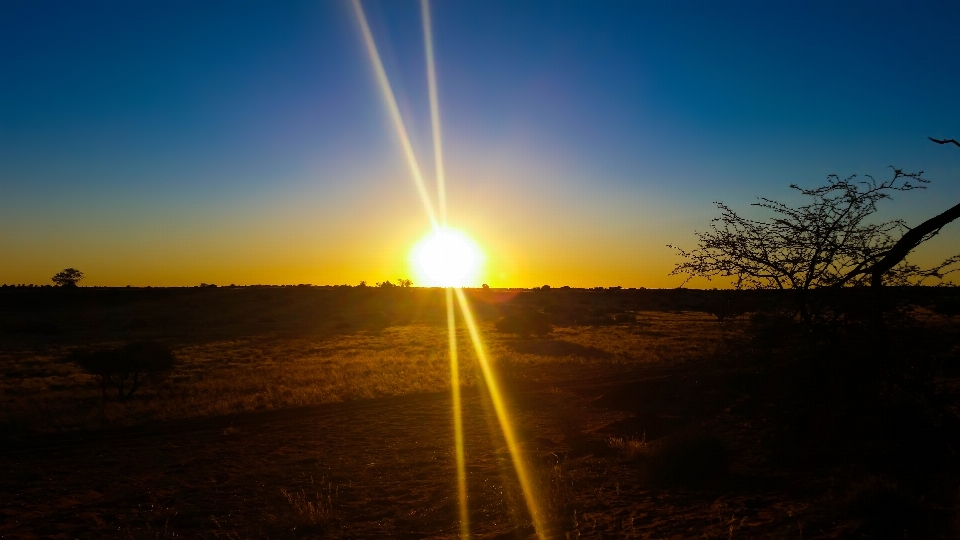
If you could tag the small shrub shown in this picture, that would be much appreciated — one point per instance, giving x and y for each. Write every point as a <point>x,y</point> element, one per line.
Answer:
<point>725,308</point>
<point>128,368</point>
<point>525,324</point>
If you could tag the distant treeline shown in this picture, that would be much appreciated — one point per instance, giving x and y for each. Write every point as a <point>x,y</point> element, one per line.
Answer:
<point>187,314</point>
<point>360,286</point>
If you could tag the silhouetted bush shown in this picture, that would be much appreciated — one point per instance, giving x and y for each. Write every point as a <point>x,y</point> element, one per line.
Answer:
<point>726,307</point>
<point>128,368</point>
<point>525,324</point>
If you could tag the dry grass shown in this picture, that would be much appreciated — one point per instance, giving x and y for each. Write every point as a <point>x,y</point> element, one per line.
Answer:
<point>317,510</point>
<point>41,392</point>
<point>630,447</point>
<point>625,437</point>
<point>231,376</point>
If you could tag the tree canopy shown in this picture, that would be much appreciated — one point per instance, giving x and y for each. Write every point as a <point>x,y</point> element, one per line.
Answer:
<point>68,277</point>
<point>831,241</point>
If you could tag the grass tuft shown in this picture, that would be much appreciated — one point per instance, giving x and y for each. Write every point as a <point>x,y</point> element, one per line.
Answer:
<point>316,511</point>
<point>630,447</point>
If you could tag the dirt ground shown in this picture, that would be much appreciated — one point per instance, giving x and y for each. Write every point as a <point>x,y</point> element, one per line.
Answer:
<point>384,468</point>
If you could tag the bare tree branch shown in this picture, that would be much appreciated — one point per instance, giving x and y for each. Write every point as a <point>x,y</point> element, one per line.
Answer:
<point>944,141</point>
<point>913,238</point>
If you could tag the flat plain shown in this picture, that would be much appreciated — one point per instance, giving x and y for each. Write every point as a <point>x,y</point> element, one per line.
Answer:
<point>309,412</point>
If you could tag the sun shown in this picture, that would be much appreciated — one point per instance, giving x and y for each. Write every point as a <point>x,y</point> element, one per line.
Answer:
<point>446,258</point>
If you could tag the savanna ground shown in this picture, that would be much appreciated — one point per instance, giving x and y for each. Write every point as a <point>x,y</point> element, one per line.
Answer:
<point>309,412</point>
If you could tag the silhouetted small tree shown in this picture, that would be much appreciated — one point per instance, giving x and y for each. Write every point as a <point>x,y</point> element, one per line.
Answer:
<point>128,368</point>
<point>404,283</point>
<point>68,277</point>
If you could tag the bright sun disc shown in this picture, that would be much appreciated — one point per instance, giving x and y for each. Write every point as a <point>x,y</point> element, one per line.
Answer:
<point>447,258</point>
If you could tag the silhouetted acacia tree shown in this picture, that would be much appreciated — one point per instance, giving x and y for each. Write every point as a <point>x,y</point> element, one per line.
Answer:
<point>128,368</point>
<point>829,242</point>
<point>68,277</point>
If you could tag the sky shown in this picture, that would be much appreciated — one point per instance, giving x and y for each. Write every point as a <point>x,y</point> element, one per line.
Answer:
<point>173,143</point>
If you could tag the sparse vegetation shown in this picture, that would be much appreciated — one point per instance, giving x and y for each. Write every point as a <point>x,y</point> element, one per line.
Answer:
<point>276,356</point>
<point>315,511</point>
<point>638,412</point>
<point>127,368</point>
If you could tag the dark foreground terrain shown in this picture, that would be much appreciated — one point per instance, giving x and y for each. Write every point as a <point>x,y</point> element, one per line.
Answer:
<point>641,414</point>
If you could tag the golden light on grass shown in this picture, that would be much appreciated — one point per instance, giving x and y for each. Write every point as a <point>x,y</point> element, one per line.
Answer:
<point>446,258</point>
<point>457,417</point>
<point>503,417</point>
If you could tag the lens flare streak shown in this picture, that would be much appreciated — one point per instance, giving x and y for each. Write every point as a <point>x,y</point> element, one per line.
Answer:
<point>391,102</point>
<point>434,110</point>
<point>457,416</point>
<point>523,476</point>
<point>496,398</point>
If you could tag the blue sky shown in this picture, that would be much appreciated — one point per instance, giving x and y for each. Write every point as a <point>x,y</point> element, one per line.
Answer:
<point>169,143</point>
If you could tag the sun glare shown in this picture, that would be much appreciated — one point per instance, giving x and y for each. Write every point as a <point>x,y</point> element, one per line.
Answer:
<point>447,258</point>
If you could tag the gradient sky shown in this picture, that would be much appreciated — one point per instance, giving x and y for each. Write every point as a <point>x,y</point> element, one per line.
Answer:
<point>173,143</point>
